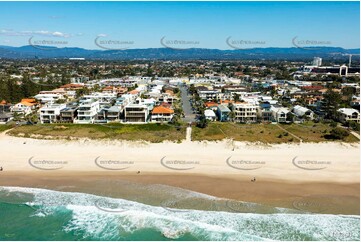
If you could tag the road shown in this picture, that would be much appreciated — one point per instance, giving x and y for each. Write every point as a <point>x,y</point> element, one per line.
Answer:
<point>186,105</point>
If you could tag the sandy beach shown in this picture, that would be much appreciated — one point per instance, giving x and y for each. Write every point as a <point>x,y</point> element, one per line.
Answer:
<point>283,173</point>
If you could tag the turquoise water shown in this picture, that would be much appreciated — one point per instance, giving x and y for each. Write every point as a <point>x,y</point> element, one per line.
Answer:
<point>39,214</point>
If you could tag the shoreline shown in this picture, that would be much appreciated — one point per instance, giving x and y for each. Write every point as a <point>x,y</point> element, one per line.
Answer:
<point>219,172</point>
<point>337,198</point>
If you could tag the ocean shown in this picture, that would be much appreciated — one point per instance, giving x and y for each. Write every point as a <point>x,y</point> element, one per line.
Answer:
<point>41,214</point>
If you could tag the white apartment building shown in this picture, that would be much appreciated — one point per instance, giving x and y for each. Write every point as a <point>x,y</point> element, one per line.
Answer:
<point>49,113</point>
<point>245,112</point>
<point>87,111</point>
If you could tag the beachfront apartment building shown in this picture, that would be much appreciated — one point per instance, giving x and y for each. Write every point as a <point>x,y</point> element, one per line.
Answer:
<point>348,114</point>
<point>245,112</point>
<point>50,113</point>
<point>136,113</point>
<point>87,111</point>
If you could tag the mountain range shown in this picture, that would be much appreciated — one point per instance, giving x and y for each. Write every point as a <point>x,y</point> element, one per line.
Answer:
<point>271,53</point>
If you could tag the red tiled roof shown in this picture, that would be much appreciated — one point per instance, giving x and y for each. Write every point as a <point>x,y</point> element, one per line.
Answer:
<point>28,100</point>
<point>211,104</point>
<point>161,109</point>
<point>134,92</point>
<point>71,85</point>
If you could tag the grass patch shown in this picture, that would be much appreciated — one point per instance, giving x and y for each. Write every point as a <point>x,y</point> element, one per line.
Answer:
<point>148,132</point>
<point>4,127</point>
<point>313,132</point>
<point>266,133</point>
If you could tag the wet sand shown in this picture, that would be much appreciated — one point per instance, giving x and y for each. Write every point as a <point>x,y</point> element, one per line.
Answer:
<point>330,198</point>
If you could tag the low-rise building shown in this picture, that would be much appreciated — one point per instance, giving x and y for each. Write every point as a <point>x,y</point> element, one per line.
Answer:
<point>136,113</point>
<point>113,113</point>
<point>50,113</point>
<point>244,112</point>
<point>162,114</point>
<point>87,111</point>
<point>281,114</point>
<point>69,113</point>
<point>264,112</point>
<point>302,112</point>
<point>348,114</point>
<point>223,113</point>
<point>5,117</point>
<point>23,107</point>
<point>210,115</point>
<point>48,97</point>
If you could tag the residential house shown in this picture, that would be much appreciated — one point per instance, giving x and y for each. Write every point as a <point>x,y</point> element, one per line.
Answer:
<point>302,112</point>
<point>5,117</point>
<point>113,113</point>
<point>223,113</point>
<point>348,114</point>
<point>23,107</point>
<point>69,113</point>
<point>211,105</point>
<point>281,114</point>
<point>5,107</point>
<point>264,112</point>
<point>162,114</point>
<point>48,97</point>
<point>210,115</point>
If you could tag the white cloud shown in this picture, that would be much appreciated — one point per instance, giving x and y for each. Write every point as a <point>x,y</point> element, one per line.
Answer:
<point>102,35</point>
<point>6,32</point>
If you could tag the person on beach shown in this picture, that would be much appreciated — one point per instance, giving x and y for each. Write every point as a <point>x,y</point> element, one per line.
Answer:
<point>1,169</point>
<point>254,179</point>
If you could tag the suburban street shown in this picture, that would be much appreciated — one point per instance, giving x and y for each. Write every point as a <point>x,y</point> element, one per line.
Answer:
<point>187,108</point>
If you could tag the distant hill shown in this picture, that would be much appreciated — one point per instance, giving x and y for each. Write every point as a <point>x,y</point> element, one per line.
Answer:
<point>45,52</point>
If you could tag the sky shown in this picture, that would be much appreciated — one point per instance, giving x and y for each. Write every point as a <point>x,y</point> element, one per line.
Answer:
<point>216,25</point>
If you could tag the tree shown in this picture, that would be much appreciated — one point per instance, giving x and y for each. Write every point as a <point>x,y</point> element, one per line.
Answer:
<point>202,122</point>
<point>332,102</point>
